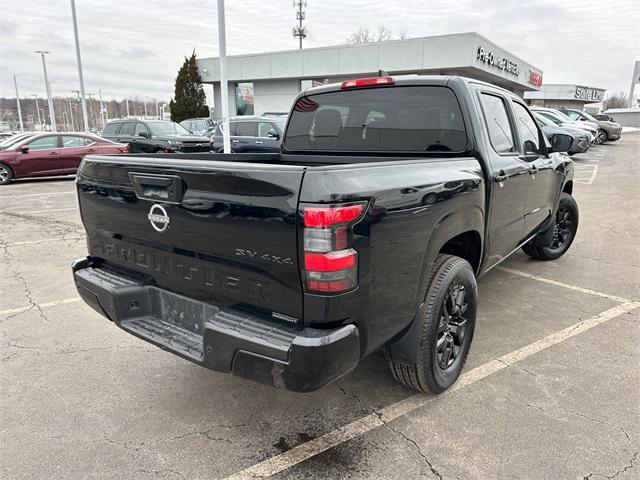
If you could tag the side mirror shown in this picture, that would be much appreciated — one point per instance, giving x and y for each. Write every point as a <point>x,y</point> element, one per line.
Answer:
<point>560,142</point>
<point>273,134</point>
<point>144,134</point>
<point>24,148</point>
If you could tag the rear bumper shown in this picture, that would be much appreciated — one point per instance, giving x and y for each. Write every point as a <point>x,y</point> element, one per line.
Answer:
<point>222,339</point>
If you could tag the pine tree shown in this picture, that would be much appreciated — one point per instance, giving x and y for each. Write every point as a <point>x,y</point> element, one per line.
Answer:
<point>189,99</point>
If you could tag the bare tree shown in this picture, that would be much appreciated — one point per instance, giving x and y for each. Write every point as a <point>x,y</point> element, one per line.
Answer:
<point>616,100</point>
<point>364,35</point>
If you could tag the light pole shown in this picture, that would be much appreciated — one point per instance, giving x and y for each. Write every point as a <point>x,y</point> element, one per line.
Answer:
<point>157,111</point>
<point>75,33</point>
<point>145,107</point>
<point>101,108</point>
<point>127,100</point>
<point>224,94</point>
<point>52,114</point>
<point>15,82</point>
<point>90,95</point>
<point>37,108</point>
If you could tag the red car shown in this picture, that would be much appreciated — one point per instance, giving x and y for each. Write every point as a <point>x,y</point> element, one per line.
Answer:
<point>46,154</point>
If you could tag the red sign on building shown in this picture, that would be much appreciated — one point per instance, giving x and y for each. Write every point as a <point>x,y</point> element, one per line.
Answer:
<point>535,78</point>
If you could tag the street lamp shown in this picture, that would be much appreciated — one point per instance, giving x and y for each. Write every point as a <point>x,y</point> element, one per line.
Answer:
<point>52,115</point>
<point>15,82</point>
<point>145,107</point>
<point>75,34</point>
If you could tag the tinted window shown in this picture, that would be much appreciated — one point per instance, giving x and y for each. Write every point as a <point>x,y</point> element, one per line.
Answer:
<point>43,143</point>
<point>264,128</point>
<point>127,128</point>
<point>527,128</point>
<point>140,128</point>
<point>71,142</point>
<point>410,119</point>
<point>500,133</point>
<point>246,129</point>
<point>111,128</point>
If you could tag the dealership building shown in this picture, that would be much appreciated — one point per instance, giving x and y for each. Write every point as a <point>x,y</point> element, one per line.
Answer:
<point>269,82</point>
<point>564,96</point>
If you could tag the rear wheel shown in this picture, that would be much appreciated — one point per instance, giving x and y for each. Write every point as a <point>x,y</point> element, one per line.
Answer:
<point>564,232</point>
<point>6,174</point>
<point>447,329</point>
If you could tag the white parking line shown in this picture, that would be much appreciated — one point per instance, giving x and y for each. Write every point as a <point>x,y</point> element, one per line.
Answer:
<point>303,452</point>
<point>46,240</point>
<point>590,170</point>
<point>40,211</point>
<point>564,285</point>
<point>38,194</point>
<point>13,311</point>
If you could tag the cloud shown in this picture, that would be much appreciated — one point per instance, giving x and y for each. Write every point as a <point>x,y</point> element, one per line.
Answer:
<point>135,48</point>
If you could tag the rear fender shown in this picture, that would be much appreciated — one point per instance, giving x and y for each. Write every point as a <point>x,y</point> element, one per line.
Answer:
<point>404,347</point>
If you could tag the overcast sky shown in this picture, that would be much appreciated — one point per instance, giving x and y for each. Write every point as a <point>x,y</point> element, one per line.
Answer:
<point>135,47</point>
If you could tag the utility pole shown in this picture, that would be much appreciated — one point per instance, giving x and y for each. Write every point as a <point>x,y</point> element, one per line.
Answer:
<point>301,14</point>
<point>224,93</point>
<point>90,95</point>
<point>101,108</point>
<point>52,114</point>
<point>73,127</point>
<point>145,107</point>
<point>157,111</point>
<point>37,108</point>
<point>15,83</point>
<point>79,61</point>
<point>127,100</point>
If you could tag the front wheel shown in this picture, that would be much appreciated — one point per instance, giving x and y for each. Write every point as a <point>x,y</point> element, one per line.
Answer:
<point>564,232</point>
<point>447,329</point>
<point>601,137</point>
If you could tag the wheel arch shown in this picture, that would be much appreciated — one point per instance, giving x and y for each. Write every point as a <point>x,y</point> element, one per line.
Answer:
<point>11,169</point>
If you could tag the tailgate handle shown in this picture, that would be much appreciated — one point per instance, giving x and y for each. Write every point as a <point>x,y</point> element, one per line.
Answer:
<point>166,188</point>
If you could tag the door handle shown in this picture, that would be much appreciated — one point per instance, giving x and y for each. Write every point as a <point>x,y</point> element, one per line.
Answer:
<point>259,142</point>
<point>53,153</point>
<point>91,150</point>
<point>235,141</point>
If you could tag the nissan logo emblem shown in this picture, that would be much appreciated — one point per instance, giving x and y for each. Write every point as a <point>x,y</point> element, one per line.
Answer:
<point>158,218</point>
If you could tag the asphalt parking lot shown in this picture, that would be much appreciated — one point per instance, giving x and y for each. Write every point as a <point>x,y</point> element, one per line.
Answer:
<point>551,388</point>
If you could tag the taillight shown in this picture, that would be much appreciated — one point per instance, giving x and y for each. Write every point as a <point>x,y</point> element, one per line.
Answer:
<point>330,264</point>
<point>367,82</point>
<point>124,149</point>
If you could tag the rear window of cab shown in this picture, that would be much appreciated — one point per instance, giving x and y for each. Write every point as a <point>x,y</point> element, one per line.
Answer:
<point>382,119</point>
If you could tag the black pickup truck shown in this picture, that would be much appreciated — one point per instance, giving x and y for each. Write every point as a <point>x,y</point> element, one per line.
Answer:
<point>366,233</point>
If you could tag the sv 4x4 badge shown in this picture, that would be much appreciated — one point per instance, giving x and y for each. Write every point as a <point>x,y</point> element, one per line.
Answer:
<point>267,257</point>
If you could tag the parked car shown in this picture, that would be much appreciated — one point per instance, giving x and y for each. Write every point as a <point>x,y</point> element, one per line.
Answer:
<point>604,116</point>
<point>607,131</point>
<point>251,134</point>
<point>151,136</point>
<point>7,142</point>
<point>582,139</point>
<point>5,135</point>
<point>199,126</point>
<point>361,235</point>
<point>46,154</point>
<point>561,119</point>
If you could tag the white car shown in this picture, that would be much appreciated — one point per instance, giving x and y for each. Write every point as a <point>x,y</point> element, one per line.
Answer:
<point>561,119</point>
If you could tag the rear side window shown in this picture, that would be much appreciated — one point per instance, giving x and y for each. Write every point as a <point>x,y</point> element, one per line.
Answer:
<point>500,133</point>
<point>406,119</point>
<point>111,128</point>
<point>71,142</point>
<point>127,128</point>
<point>246,129</point>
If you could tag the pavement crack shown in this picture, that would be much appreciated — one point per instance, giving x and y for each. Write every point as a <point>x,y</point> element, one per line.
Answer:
<point>626,468</point>
<point>518,367</point>
<point>207,432</point>
<point>395,430</point>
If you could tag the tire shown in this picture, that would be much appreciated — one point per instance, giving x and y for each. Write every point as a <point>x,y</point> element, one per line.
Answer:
<point>565,229</point>
<point>453,284</point>
<point>6,174</point>
<point>602,137</point>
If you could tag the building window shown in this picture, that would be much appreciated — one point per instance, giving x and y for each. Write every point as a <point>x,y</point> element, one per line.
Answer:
<point>244,98</point>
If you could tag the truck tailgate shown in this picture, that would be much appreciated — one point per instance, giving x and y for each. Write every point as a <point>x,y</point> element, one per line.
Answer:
<point>219,232</point>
